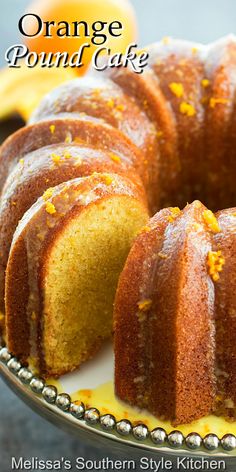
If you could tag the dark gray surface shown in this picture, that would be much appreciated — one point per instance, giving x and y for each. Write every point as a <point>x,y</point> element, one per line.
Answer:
<point>23,433</point>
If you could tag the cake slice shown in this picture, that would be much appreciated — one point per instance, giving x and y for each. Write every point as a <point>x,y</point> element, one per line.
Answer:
<point>164,317</point>
<point>63,268</point>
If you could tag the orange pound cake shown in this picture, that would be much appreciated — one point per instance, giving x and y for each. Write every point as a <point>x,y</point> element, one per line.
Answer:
<point>155,141</point>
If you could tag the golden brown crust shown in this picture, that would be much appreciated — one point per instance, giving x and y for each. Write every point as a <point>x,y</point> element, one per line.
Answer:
<point>18,294</point>
<point>137,276</point>
<point>225,313</point>
<point>220,171</point>
<point>167,268</point>
<point>179,71</point>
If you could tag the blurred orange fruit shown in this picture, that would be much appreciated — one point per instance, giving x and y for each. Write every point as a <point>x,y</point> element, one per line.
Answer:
<point>21,90</point>
<point>89,11</point>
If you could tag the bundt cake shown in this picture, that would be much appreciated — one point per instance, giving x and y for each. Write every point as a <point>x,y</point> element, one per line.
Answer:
<point>180,310</point>
<point>168,136</point>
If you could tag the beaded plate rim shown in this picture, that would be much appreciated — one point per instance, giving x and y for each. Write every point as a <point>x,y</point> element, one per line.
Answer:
<point>122,430</point>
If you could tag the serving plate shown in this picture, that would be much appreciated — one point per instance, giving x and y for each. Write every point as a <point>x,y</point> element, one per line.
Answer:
<point>84,403</point>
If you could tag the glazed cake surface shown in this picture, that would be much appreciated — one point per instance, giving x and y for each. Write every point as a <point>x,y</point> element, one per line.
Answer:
<point>46,159</point>
<point>179,112</point>
<point>181,363</point>
<point>169,133</point>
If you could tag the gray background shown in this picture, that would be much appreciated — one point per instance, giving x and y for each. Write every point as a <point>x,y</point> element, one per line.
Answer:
<point>21,431</point>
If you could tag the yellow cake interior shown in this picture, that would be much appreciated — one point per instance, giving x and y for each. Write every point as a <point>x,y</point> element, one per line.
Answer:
<point>82,271</point>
